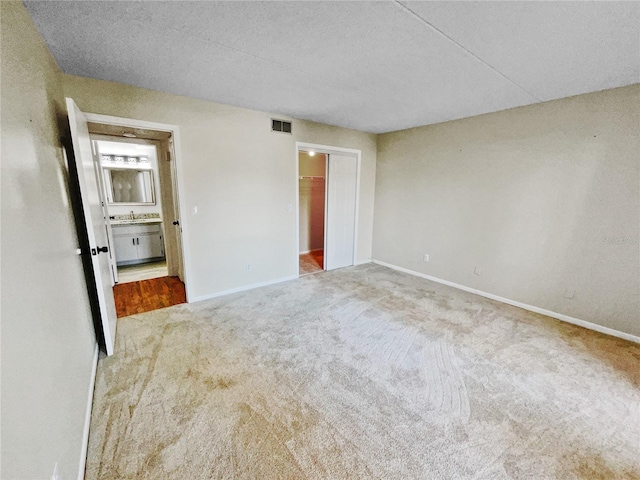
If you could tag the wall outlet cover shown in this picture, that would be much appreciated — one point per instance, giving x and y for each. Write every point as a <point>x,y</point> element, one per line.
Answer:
<point>477,271</point>
<point>569,293</point>
<point>425,257</point>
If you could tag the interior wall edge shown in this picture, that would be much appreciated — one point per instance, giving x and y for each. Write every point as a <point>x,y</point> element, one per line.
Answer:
<point>244,288</point>
<point>48,337</point>
<point>532,308</point>
<point>87,418</point>
<point>538,204</point>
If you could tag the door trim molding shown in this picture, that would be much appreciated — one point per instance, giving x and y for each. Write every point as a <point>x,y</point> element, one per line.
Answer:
<point>177,151</point>
<point>325,149</point>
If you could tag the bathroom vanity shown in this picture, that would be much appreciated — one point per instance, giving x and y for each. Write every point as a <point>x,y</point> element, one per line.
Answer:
<point>138,241</point>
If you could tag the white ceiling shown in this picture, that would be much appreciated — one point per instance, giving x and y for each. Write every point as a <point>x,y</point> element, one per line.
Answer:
<point>372,66</point>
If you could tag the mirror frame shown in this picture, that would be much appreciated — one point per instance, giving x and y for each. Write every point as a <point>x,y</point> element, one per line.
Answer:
<point>108,186</point>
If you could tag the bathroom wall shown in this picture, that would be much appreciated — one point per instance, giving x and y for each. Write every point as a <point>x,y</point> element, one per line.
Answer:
<point>123,147</point>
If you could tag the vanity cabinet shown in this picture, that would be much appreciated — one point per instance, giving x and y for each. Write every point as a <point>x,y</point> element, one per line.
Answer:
<point>138,243</point>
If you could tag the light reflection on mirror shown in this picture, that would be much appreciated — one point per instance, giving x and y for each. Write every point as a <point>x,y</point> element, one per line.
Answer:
<point>129,187</point>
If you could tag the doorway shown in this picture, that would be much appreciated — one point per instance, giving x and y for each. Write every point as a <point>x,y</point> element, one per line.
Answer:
<point>133,191</point>
<point>93,219</point>
<point>327,209</point>
<point>312,167</point>
<point>136,172</point>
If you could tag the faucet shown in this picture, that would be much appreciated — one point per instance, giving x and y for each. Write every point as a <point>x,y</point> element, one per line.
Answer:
<point>133,217</point>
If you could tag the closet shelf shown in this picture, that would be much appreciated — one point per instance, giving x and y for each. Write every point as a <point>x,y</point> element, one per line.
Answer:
<point>311,178</point>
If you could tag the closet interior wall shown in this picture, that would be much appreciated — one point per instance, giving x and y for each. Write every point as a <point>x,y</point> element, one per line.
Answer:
<point>312,201</point>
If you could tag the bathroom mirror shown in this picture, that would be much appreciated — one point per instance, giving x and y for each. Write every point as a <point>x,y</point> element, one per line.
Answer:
<point>126,186</point>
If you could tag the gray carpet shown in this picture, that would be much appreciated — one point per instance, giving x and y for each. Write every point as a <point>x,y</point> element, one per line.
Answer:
<point>363,373</point>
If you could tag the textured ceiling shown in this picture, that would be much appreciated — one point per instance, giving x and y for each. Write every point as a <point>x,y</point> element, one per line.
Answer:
<point>372,66</point>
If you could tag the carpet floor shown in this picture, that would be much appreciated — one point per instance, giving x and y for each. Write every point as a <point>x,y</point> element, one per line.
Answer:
<point>363,373</point>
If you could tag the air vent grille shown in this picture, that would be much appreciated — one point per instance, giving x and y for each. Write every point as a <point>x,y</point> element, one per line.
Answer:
<point>280,126</point>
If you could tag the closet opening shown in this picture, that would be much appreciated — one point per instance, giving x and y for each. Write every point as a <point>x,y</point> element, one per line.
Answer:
<point>328,180</point>
<point>312,167</point>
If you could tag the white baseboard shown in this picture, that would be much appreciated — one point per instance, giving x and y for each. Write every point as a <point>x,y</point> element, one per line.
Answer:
<point>531,308</point>
<point>362,262</point>
<point>244,288</point>
<point>87,415</point>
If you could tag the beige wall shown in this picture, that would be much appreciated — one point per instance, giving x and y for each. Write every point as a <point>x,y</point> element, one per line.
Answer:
<point>107,147</point>
<point>543,198</point>
<point>240,175</point>
<point>47,334</point>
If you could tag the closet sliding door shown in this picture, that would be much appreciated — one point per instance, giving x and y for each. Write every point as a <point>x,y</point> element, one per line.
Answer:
<point>341,211</point>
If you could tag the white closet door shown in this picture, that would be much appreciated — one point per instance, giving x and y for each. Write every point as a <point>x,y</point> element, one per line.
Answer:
<point>341,211</point>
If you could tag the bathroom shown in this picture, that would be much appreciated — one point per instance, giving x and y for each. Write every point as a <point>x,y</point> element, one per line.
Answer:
<point>130,177</point>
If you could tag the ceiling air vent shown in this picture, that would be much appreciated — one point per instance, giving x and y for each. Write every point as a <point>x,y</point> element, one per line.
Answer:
<point>280,126</point>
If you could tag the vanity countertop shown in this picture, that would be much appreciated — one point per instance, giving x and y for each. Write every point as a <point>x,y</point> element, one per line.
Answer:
<point>136,221</point>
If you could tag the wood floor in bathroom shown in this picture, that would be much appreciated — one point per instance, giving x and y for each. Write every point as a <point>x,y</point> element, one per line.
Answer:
<point>146,295</point>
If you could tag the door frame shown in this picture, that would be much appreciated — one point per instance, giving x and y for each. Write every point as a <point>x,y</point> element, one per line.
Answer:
<point>179,180</point>
<point>327,150</point>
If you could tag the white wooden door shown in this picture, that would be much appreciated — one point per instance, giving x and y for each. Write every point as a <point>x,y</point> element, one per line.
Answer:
<point>95,223</point>
<point>341,211</point>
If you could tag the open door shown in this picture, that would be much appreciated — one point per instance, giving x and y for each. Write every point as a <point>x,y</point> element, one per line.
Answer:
<point>94,216</point>
<point>340,218</point>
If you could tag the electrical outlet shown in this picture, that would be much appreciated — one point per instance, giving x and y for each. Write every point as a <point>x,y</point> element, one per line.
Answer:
<point>477,271</point>
<point>249,267</point>
<point>569,293</point>
<point>194,210</point>
<point>425,257</point>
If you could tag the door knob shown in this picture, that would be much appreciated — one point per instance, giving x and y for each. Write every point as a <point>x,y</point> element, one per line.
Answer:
<point>98,250</point>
